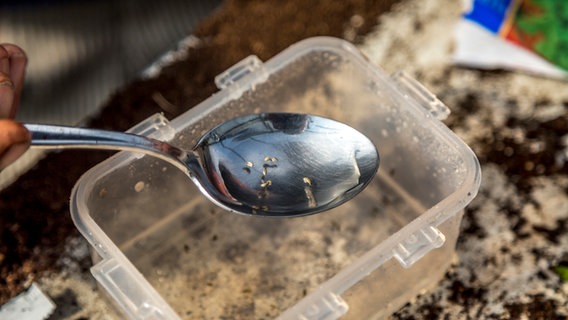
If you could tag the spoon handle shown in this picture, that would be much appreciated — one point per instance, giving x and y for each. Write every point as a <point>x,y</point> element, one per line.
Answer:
<point>62,137</point>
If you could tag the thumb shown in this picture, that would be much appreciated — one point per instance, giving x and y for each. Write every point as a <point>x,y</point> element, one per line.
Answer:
<point>14,141</point>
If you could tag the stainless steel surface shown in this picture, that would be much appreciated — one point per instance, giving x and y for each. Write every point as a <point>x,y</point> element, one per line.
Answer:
<point>272,164</point>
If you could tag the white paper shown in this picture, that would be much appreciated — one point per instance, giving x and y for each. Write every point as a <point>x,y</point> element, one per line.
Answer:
<point>32,304</point>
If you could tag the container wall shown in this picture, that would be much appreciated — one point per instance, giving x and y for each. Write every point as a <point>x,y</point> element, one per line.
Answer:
<point>391,286</point>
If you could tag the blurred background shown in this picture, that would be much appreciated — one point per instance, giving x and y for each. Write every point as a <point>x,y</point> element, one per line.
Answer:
<point>81,51</point>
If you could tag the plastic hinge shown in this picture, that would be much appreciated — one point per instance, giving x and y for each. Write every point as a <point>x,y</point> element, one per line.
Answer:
<point>417,245</point>
<point>238,71</point>
<point>423,96</point>
<point>328,307</point>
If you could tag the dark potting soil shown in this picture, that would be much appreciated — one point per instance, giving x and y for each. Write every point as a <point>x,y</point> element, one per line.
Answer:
<point>35,220</point>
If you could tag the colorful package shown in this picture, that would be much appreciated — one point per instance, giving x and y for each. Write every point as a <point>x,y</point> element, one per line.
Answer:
<point>529,35</point>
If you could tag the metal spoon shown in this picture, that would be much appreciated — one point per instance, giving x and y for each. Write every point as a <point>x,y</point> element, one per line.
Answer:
<point>271,164</point>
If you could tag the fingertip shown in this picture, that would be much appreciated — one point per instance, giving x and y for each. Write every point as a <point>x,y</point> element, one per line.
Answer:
<point>6,96</point>
<point>18,62</point>
<point>14,51</point>
<point>4,60</point>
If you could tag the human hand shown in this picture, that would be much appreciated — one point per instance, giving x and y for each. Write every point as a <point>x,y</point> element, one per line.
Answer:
<point>14,137</point>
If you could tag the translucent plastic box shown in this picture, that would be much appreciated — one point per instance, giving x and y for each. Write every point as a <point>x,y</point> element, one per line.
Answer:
<point>162,251</point>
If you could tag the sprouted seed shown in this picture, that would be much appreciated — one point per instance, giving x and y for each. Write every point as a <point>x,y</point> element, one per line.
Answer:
<point>266,183</point>
<point>310,196</point>
<point>256,208</point>
<point>270,162</point>
<point>309,193</point>
<point>139,186</point>
<point>247,166</point>
<point>263,193</point>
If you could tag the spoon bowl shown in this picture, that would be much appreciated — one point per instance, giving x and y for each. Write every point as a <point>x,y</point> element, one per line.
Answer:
<point>269,164</point>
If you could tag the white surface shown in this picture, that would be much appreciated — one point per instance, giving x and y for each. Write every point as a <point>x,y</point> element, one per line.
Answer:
<point>32,304</point>
<point>478,48</point>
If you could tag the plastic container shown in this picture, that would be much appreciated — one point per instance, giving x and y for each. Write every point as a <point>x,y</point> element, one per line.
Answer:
<point>162,251</point>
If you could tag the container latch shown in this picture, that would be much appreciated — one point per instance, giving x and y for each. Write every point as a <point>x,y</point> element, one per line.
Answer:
<point>238,71</point>
<point>127,290</point>
<point>417,245</point>
<point>418,92</point>
<point>155,126</point>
